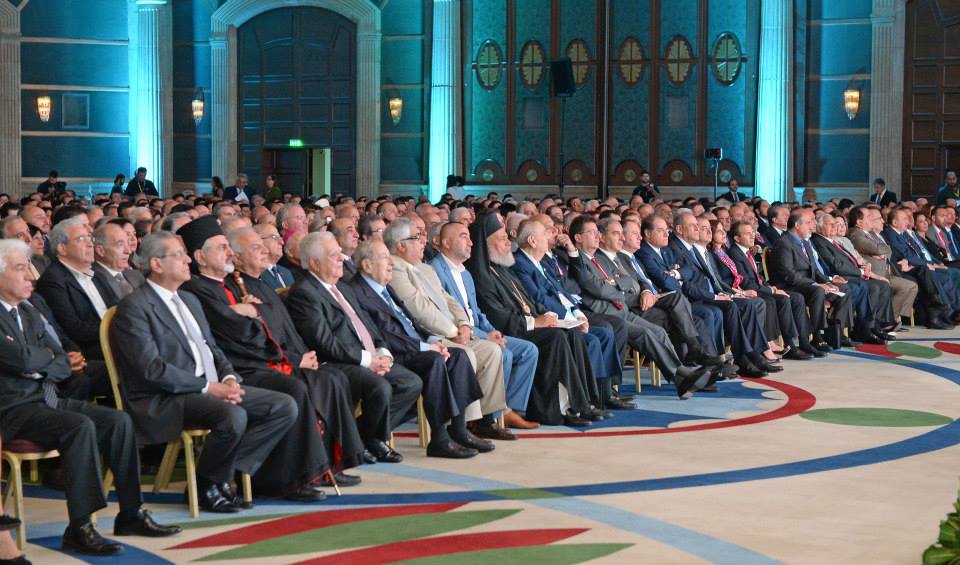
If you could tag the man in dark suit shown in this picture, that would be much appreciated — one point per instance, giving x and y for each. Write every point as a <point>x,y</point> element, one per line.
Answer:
<point>791,310</point>
<point>112,252</point>
<point>177,377</point>
<point>950,190</point>
<point>345,230</point>
<point>140,185</point>
<point>239,192</point>
<point>449,381</point>
<point>329,318</point>
<point>32,363</point>
<point>53,185</point>
<point>776,225</point>
<point>77,295</point>
<point>941,236</point>
<point>732,195</point>
<point>872,314</point>
<point>881,196</point>
<point>791,266</point>
<point>277,276</point>
<point>299,458</point>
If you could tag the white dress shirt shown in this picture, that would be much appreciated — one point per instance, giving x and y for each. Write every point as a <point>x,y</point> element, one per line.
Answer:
<point>85,279</point>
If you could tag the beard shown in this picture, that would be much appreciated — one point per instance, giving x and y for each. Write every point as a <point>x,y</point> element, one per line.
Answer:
<point>229,267</point>
<point>504,260</point>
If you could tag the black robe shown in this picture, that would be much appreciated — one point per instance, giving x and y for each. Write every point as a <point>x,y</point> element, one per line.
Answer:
<point>563,353</point>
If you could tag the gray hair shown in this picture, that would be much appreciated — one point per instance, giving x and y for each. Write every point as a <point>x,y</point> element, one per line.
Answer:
<point>679,213</point>
<point>10,246</point>
<point>526,229</point>
<point>456,213</point>
<point>310,247</point>
<point>233,237</point>
<point>822,218</point>
<point>58,235</point>
<point>283,212</point>
<point>167,223</point>
<point>153,246</point>
<point>398,230</point>
<point>132,213</point>
<point>6,222</point>
<point>364,251</point>
<point>100,234</point>
<point>604,224</point>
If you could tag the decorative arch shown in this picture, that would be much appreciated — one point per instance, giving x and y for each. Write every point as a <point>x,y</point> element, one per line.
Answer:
<point>10,162</point>
<point>223,47</point>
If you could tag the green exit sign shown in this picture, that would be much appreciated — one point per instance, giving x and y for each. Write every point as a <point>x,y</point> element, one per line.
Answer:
<point>296,143</point>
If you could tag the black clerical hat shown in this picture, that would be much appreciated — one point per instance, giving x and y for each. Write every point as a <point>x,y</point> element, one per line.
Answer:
<point>197,232</point>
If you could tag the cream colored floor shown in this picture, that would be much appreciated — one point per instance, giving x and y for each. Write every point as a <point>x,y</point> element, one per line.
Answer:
<point>876,514</point>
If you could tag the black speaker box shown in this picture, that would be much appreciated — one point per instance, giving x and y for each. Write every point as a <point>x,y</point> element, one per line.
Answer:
<point>561,78</point>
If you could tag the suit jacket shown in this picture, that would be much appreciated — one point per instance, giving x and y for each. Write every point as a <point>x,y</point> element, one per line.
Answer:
<point>752,280</point>
<point>657,265</point>
<point>838,262</point>
<point>40,304</point>
<point>769,233</point>
<point>73,309</point>
<point>499,296</point>
<point>386,321</point>
<point>324,325</point>
<point>696,281</point>
<point>274,282</point>
<point>731,196</point>
<point>22,354</point>
<point>134,189</point>
<point>871,246</point>
<point>407,284</point>
<point>599,295</point>
<point>788,266</point>
<point>157,373</point>
<point>540,287</point>
<point>558,268</point>
<point>481,325</point>
<point>888,198</point>
<point>134,279</point>
<point>949,244</point>
<point>231,193</point>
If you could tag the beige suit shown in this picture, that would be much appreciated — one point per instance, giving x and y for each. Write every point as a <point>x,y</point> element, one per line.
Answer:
<point>876,252</point>
<point>440,314</point>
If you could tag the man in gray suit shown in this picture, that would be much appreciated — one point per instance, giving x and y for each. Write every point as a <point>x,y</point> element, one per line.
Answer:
<point>111,250</point>
<point>176,377</point>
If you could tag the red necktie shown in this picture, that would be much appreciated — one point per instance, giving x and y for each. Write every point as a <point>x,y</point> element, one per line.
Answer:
<point>844,251</point>
<point>943,243</point>
<point>616,305</point>
<point>358,326</point>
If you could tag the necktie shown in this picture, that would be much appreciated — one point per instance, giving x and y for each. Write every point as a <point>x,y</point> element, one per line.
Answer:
<point>556,265</point>
<point>953,244</point>
<point>643,276</point>
<point>714,276</point>
<point>943,244</point>
<point>49,388</point>
<point>697,259</point>
<point>358,326</point>
<point>404,320</point>
<point>125,287</point>
<point>753,264</point>
<point>194,335</point>
<point>844,251</point>
<point>276,273</point>
<point>917,248</point>
<point>608,280</point>
<point>814,258</point>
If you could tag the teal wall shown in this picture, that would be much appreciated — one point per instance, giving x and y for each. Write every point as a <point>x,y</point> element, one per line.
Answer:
<point>191,70</point>
<point>837,45</point>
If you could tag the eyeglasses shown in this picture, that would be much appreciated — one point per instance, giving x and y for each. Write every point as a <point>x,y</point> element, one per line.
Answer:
<point>82,238</point>
<point>179,254</point>
<point>275,237</point>
<point>412,238</point>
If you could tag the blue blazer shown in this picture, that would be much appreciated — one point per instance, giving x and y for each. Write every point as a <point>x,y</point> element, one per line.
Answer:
<point>696,285</point>
<point>900,249</point>
<point>541,288</point>
<point>657,266</point>
<point>272,281</point>
<point>481,325</point>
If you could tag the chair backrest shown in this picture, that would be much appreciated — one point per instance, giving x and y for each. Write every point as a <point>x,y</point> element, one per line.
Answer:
<point>763,260</point>
<point>107,348</point>
<point>282,291</point>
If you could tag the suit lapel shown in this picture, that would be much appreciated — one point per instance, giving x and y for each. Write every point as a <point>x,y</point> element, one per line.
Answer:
<point>164,315</point>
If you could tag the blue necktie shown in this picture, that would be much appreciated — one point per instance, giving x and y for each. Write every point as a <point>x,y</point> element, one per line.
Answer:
<point>641,274</point>
<point>953,244</point>
<point>404,320</point>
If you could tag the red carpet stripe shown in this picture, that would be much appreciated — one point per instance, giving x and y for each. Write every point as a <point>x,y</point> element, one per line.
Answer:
<point>444,545</point>
<point>948,347</point>
<point>305,522</point>
<point>876,350</point>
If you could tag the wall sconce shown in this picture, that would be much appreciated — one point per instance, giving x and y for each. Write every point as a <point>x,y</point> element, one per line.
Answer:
<point>851,102</point>
<point>395,105</point>
<point>197,106</point>
<point>44,105</point>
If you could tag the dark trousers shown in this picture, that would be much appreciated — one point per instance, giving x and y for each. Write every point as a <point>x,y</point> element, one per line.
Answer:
<point>241,435</point>
<point>448,387</point>
<point>384,400</point>
<point>614,353</point>
<point>82,433</point>
<point>674,312</point>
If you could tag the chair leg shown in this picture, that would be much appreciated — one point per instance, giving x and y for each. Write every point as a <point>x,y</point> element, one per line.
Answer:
<point>422,424</point>
<point>637,367</point>
<point>390,441</point>
<point>108,482</point>
<point>16,485</point>
<point>247,488</point>
<point>192,498</point>
<point>655,375</point>
<point>913,321</point>
<point>167,464</point>
<point>34,471</point>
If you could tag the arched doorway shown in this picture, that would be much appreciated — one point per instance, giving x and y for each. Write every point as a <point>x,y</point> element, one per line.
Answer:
<point>296,85</point>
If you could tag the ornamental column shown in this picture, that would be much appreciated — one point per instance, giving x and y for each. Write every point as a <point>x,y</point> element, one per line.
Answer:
<point>368,112</point>
<point>10,162</point>
<point>223,111</point>
<point>774,175</point>
<point>153,93</point>
<point>886,92</point>
<point>444,157</point>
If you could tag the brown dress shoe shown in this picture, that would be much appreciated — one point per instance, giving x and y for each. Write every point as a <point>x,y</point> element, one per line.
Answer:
<point>514,420</point>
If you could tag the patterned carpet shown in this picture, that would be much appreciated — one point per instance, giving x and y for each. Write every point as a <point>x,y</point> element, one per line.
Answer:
<point>851,459</point>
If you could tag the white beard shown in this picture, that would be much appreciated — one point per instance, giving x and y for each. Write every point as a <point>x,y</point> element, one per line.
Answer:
<point>505,260</point>
<point>228,268</point>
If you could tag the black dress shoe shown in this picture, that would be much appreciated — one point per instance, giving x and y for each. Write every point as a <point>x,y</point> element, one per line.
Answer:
<point>846,342</point>
<point>367,457</point>
<point>87,540</point>
<point>212,500</point>
<point>490,430</point>
<point>769,367</point>
<point>871,339</point>
<point>471,441</point>
<point>343,480</point>
<point>234,496</point>
<point>19,560</point>
<point>8,522</point>
<point>384,453</point>
<point>706,360</point>
<point>307,494</point>
<point>689,382</point>
<point>821,345</point>
<point>450,450</point>
<point>142,525</point>
<point>574,420</point>
<point>797,354</point>
<point>815,352</point>
<point>618,404</point>
<point>751,371</point>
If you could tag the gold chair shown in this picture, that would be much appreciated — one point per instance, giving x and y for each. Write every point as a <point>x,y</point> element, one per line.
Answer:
<point>638,360</point>
<point>189,439</point>
<point>14,454</point>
